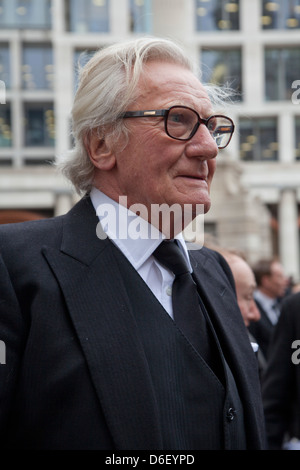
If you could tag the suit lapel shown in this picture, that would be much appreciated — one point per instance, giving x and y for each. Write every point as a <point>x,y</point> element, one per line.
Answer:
<point>219,299</point>
<point>100,309</point>
<point>265,320</point>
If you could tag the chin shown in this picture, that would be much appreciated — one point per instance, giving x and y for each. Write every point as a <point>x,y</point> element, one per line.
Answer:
<point>201,207</point>
<point>191,211</point>
<point>202,199</point>
<point>207,207</point>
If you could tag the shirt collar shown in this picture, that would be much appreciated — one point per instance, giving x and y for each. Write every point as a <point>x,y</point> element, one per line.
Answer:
<point>133,235</point>
<point>264,299</point>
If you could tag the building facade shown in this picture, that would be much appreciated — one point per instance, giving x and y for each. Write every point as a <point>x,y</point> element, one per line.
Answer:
<point>251,45</point>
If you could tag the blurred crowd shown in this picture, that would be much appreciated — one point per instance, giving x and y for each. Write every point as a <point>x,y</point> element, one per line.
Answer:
<point>269,301</point>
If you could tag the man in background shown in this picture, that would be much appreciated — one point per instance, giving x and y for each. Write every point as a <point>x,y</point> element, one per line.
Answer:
<point>281,380</point>
<point>272,284</point>
<point>245,285</point>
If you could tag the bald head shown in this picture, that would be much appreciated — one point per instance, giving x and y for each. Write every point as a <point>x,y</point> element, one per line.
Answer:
<point>245,285</point>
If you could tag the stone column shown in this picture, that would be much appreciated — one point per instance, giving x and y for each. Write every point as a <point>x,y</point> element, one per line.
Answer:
<point>289,233</point>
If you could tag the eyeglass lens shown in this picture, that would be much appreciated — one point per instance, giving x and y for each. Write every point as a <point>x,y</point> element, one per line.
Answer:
<point>181,123</point>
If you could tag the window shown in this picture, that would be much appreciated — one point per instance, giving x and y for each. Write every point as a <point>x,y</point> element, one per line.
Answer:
<point>37,67</point>
<point>81,57</point>
<point>223,67</point>
<point>39,125</point>
<point>286,62</point>
<point>297,133</point>
<point>25,14</point>
<point>140,16</point>
<point>258,139</point>
<point>280,14</point>
<point>5,162</point>
<point>88,16</point>
<point>5,126</point>
<point>5,65</point>
<point>38,161</point>
<point>217,15</point>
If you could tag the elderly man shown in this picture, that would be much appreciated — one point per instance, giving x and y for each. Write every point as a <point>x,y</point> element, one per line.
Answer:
<point>99,354</point>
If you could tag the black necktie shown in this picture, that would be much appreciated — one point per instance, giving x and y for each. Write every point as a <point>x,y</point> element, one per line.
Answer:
<point>276,309</point>
<point>185,298</point>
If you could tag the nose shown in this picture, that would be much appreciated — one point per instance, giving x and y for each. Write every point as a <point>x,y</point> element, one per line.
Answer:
<point>254,313</point>
<point>202,144</point>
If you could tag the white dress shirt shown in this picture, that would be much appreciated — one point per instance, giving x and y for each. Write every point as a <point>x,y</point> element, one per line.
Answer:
<point>137,240</point>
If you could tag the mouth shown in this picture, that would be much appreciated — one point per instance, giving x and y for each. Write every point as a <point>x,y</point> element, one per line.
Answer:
<point>194,177</point>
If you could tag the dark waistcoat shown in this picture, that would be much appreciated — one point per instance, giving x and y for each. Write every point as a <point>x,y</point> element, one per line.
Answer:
<point>196,409</point>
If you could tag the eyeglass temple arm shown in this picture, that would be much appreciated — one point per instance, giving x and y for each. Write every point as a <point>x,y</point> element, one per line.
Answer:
<point>150,113</point>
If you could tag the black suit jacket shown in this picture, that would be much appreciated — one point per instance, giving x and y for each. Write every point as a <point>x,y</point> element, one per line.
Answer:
<point>281,380</point>
<point>76,376</point>
<point>262,330</point>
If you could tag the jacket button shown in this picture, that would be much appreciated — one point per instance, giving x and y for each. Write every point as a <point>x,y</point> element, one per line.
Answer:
<point>230,414</point>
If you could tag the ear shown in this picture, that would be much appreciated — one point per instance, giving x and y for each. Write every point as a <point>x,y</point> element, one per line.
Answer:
<point>265,280</point>
<point>100,153</point>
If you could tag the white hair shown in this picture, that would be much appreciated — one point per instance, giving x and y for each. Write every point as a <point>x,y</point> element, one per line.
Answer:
<point>107,88</point>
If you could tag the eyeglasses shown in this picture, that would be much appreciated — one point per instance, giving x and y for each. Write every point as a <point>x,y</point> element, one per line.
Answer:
<point>181,123</point>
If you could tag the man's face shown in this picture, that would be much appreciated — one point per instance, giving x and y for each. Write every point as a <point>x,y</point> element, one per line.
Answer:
<point>154,168</point>
<point>276,283</point>
<point>245,286</point>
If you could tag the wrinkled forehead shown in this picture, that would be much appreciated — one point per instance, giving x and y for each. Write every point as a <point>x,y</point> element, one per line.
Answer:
<point>172,84</point>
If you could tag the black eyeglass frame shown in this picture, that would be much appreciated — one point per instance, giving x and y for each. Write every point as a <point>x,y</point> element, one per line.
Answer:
<point>165,113</point>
